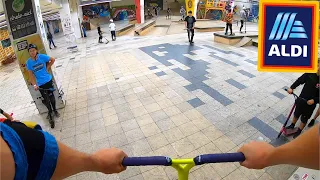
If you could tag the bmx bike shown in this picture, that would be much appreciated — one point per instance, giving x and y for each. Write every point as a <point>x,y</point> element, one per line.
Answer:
<point>47,103</point>
<point>183,166</point>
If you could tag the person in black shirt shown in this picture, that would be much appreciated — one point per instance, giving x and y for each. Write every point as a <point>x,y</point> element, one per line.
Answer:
<point>190,23</point>
<point>50,39</point>
<point>100,34</point>
<point>310,92</point>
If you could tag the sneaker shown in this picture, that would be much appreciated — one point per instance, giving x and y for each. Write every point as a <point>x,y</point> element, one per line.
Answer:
<point>295,135</point>
<point>311,123</point>
<point>290,127</point>
<point>57,114</point>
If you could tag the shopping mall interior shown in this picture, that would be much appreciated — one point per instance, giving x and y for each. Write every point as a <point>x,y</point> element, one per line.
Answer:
<point>149,92</point>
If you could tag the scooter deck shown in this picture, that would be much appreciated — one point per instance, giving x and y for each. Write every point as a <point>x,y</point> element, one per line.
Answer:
<point>289,132</point>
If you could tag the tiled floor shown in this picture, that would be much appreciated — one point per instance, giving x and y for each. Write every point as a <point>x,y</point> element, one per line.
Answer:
<point>161,96</point>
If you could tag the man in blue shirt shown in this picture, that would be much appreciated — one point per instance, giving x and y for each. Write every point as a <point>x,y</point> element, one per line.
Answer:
<point>38,66</point>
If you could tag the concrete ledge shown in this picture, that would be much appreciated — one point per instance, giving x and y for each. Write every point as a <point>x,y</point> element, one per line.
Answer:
<point>209,29</point>
<point>232,40</point>
<point>142,29</point>
<point>123,30</point>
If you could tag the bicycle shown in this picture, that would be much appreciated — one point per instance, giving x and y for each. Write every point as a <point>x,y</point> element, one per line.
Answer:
<point>183,166</point>
<point>46,102</point>
<point>288,132</point>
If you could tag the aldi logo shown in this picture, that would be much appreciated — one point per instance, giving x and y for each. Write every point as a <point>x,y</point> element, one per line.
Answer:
<point>288,36</point>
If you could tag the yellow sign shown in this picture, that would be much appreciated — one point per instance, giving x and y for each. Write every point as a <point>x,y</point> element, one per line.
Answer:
<point>190,6</point>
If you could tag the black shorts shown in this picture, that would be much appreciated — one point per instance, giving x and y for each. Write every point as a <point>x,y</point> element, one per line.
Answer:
<point>304,110</point>
<point>47,85</point>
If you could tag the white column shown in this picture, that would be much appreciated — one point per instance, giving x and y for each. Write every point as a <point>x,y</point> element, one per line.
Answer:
<point>69,20</point>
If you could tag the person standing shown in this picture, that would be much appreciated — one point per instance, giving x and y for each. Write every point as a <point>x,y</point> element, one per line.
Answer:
<point>50,39</point>
<point>310,94</point>
<point>112,27</point>
<point>243,18</point>
<point>155,11</point>
<point>190,23</point>
<point>228,20</point>
<point>38,66</point>
<point>99,33</point>
<point>84,29</point>
<point>182,13</point>
<point>168,13</point>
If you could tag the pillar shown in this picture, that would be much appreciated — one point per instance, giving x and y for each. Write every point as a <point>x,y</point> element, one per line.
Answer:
<point>26,27</point>
<point>70,21</point>
<point>191,5</point>
<point>139,11</point>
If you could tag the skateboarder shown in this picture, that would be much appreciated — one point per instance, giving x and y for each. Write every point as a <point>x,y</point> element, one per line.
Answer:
<point>310,92</point>
<point>190,23</point>
<point>228,20</point>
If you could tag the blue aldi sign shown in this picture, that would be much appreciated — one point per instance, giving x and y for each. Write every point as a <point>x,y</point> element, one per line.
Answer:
<point>288,36</point>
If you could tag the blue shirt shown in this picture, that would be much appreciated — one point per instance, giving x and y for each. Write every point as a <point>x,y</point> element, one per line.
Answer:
<point>39,68</point>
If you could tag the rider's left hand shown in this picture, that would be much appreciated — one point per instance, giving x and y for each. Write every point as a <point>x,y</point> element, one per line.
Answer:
<point>310,102</point>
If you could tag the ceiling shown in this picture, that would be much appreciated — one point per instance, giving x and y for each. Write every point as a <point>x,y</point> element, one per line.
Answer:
<point>47,7</point>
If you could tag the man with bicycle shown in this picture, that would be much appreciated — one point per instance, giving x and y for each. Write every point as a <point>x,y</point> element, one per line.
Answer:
<point>38,66</point>
<point>310,94</point>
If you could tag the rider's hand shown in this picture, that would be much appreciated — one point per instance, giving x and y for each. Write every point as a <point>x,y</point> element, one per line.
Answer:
<point>257,154</point>
<point>35,87</point>
<point>110,160</point>
<point>192,27</point>
<point>310,102</point>
<point>290,91</point>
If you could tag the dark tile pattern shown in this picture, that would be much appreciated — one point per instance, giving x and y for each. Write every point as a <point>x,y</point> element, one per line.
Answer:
<point>223,51</point>
<point>264,128</point>
<point>152,67</point>
<point>278,95</point>
<point>196,102</point>
<point>224,60</point>
<point>161,73</point>
<point>195,75</point>
<point>236,84</point>
<point>251,62</point>
<point>246,73</point>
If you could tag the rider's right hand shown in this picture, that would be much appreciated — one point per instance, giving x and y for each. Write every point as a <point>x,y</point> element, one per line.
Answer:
<point>35,87</point>
<point>290,91</point>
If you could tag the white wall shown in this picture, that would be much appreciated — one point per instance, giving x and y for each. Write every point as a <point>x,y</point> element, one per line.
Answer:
<point>122,3</point>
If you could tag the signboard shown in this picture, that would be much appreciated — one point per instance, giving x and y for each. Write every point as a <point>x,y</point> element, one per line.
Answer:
<point>66,25</point>
<point>22,45</point>
<point>21,18</point>
<point>288,36</point>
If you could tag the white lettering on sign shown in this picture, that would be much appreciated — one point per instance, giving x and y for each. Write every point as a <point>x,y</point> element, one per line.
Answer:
<point>294,51</point>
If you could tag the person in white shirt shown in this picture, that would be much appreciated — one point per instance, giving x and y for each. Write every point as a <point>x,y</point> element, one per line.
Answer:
<point>182,13</point>
<point>112,27</point>
<point>243,18</point>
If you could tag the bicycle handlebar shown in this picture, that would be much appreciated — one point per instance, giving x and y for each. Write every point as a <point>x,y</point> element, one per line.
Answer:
<point>167,161</point>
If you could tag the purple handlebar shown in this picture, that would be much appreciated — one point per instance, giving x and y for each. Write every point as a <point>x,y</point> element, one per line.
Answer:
<point>147,161</point>
<point>166,161</point>
<point>219,158</point>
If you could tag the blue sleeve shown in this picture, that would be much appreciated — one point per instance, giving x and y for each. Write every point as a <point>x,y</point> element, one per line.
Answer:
<point>28,66</point>
<point>45,58</point>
